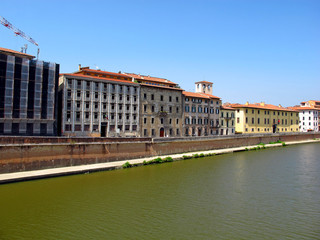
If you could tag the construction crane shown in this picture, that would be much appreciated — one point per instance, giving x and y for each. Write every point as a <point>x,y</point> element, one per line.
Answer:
<point>17,31</point>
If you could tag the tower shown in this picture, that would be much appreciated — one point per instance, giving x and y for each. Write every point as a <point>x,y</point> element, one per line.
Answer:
<point>204,87</point>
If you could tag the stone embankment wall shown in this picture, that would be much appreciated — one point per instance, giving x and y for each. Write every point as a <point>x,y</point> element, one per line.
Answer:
<point>34,153</point>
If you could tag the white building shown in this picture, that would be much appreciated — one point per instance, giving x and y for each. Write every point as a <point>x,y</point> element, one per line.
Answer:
<point>99,104</point>
<point>309,116</point>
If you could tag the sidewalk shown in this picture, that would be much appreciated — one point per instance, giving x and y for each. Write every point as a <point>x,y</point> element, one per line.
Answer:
<point>55,172</point>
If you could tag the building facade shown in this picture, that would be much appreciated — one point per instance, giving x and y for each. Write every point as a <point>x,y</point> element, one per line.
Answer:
<point>160,106</point>
<point>309,120</point>
<point>201,111</point>
<point>264,118</point>
<point>28,95</point>
<point>99,104</point>
<point>227,120</point>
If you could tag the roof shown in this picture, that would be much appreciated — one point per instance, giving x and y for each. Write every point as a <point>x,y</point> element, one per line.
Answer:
<point>298,108</point>
<point>204,82</point>
<point>100,72</point>
<point>15,53</point>
<point>82,76</point>
<point>211,96</point>
<point>199,95</point>
<point>157,86</point>
<point>149,78</point>
<point>261,106</point>
<point>223,107</point>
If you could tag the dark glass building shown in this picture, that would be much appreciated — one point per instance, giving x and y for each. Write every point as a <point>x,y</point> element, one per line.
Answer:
<point>28,95</point>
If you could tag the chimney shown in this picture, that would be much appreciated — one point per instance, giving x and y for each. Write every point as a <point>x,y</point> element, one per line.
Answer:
<point>262,104</point>
<point>280,105</point>
<point>247,103</point>
<point>79,67</point>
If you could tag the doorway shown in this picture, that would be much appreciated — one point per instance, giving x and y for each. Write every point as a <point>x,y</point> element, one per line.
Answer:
<point>161,132</point>
<point>103,131</point>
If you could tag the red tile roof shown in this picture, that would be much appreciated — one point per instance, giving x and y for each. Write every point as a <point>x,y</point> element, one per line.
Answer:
<point>227,107</point>
<point>94,77</point>
<point>100,72</point>
<point>204,82</point>
<point>199,95</point>
<point>211,96</point>
<point>260,106</point>
<point>158,86</point>
<point>195,95</point>
<point>13,52</point>
<point>298,108</point>
<point>149,78</point>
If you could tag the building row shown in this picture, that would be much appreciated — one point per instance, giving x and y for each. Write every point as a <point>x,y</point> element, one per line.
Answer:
<point>36,100</point>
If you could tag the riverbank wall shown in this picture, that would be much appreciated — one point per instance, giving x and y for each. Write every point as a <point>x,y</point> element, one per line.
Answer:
<point>18,154</point>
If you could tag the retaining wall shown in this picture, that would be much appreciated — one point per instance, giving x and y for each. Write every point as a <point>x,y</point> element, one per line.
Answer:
<point>26,154</point>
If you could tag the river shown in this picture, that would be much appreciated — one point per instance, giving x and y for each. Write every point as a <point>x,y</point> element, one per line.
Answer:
<point>264,194</point>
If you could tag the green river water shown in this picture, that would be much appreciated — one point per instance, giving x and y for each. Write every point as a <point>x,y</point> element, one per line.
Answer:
<point>265,194</point>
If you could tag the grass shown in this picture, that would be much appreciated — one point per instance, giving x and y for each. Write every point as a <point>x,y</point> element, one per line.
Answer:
<point>127,165</point>
<point>275,142</point>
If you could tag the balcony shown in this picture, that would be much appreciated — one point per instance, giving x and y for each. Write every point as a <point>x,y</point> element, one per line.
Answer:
<point>162,114</point>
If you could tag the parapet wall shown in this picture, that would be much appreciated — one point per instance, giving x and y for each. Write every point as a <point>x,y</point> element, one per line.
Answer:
<point>26,154</point>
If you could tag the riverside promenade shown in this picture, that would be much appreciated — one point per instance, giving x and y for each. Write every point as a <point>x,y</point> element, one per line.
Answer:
<point>64,171</point>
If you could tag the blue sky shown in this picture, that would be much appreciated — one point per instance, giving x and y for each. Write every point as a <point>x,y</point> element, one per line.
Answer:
<point>251,50</point>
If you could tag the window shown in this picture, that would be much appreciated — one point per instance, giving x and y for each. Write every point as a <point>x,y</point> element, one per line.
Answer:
<point>177,100</point>
<point>144,108</point>
<point>177,109</point>
<point>246,120</point>
<point>152,96</point>
<point>152,108</point>
<point>252,121</point>
<point>252,110</point>
<point>178,132</point>
<point>258,120</point>
<point>170,121</point>
<point>217,111</point>
<point>153,132</point>
<point>170,99</point>
<point>238,120</point>
<point>145,96</point>
<point>152,120</point>
<point>161,98</point>
<point>161,120</point>
<point>145,132</point>
<point>161,108</point>
<point>145,120</point>
<point>170,109</point>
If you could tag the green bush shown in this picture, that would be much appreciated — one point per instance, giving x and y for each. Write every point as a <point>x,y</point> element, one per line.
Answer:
<point>157,160</point>
<point>283,144</point>
<point>246,149</point>
<point>168,159</point>
<point>145,162</point>
<point>196,155</point>
<point>127,165</point>
<point>186,157</point>
<point>201,155</point>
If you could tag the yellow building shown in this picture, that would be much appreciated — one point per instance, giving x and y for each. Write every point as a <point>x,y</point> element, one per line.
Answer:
<point>265,118</point>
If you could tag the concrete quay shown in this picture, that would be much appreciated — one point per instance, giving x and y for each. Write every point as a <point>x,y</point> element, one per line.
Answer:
<point>71,170</point>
